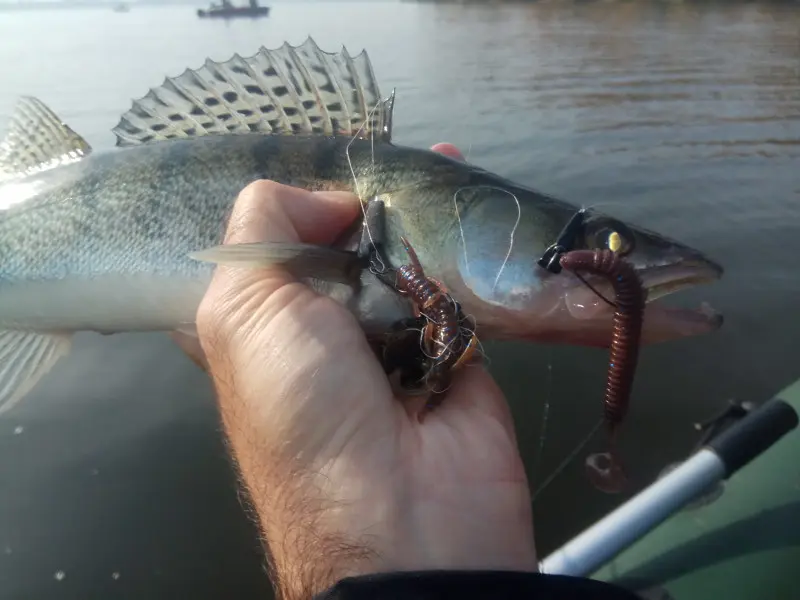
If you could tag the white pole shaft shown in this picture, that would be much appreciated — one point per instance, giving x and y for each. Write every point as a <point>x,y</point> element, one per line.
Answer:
<point>584,554</point>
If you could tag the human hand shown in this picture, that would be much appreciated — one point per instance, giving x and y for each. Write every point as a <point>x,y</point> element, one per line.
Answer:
<point>344,480</point>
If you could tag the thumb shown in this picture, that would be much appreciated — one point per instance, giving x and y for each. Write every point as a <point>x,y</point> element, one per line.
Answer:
<point>266,211</point>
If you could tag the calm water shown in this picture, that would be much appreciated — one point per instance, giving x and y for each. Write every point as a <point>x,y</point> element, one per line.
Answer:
<point>114,482</point>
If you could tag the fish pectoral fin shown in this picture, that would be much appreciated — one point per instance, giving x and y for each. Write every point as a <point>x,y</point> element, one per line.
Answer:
<point>38,140</point>
<point>187,329</point>
<point>291,90</point>
<point>25,357</point>
<point>301,260</point>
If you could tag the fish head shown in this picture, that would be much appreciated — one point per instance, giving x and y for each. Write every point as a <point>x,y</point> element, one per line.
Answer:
<point>502,231</point>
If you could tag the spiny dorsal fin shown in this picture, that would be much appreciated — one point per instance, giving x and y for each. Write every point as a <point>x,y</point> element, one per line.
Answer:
<point>37,140</point>
<point>286,91</point>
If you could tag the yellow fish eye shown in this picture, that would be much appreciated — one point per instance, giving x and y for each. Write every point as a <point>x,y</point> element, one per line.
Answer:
<point>612,236</point>
<point>614,241</point>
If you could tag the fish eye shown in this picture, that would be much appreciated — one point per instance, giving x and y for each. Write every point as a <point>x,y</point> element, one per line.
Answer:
<point>614,237</point>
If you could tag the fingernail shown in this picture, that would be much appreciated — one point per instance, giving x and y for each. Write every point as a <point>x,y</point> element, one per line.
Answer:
<point>448,150</point>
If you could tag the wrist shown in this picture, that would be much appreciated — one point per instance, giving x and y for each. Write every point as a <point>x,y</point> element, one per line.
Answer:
<point>311,542</point>
<point>317,532</point>
<point>306,556</point>
<point>315,545</point>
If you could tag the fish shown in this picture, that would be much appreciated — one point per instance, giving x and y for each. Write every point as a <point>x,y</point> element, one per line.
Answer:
<point>127,240</point>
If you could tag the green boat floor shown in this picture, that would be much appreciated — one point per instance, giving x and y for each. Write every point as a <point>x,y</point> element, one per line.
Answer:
<point>745,545</point>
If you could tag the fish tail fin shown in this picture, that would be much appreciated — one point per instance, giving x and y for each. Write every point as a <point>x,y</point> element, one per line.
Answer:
<point>36,140</point>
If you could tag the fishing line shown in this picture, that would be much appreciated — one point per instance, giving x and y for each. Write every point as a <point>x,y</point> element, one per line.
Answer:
<point>471,319</point>
<point>444,347</point>
<point>480,348</point>
<point>597,292</point>
<point>461,229</point>
<point>511,236</point>
<point>510,240</point>
<point>570,457</point>
<point>355,179</point>
<point>545,415</point>
<point>587,207</point>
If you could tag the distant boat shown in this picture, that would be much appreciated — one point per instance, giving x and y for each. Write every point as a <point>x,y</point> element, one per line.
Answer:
<point>121,8</point>
<point>228,10</point>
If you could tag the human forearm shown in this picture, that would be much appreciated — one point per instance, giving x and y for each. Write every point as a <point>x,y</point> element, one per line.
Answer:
<point>306,550</point>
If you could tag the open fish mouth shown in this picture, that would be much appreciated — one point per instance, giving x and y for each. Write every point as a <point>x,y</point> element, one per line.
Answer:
<point>661,322</point>
<point>667,322</point>
<point>662,281</point>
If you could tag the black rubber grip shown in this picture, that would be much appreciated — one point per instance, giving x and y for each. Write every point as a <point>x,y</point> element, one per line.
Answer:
<point>742,442</point>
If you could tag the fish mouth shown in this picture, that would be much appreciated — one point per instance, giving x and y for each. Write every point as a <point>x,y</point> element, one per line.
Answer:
<point>665,280</point>
<point>661,322</point>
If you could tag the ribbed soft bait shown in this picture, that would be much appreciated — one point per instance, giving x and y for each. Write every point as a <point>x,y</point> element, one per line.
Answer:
<point>605,469</point>
<point>448,343</point>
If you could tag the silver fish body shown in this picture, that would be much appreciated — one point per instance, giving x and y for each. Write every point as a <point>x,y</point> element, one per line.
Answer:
<point>104,244</point>
<point>109,241</point>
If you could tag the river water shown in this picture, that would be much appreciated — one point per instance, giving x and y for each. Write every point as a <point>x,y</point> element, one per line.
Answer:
<point>683,119</point>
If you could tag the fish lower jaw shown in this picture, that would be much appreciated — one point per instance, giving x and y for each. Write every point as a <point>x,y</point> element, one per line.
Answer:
<point>677,322</point>
<point>661,322</point>
<point>681,322</point>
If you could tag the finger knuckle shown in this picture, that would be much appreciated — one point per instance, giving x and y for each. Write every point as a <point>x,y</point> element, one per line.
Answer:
<point>258,205</point>
<point>259,189</point>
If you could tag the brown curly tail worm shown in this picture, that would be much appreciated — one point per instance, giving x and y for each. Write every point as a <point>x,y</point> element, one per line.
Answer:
<point>605,469</point>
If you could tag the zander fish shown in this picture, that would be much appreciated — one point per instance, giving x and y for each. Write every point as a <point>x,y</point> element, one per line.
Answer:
<point>110,242</point>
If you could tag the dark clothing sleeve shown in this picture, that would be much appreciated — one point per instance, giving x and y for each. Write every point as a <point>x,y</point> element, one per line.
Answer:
<point>472,585</point>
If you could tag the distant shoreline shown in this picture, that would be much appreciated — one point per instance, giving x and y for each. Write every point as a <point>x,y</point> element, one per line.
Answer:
<point>103,4</point>
<point>110,4</point>
<point>89,4</point>
<point>552,2</point>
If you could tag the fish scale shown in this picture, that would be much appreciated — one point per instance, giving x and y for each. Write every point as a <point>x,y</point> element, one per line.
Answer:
<point>127,240</point>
